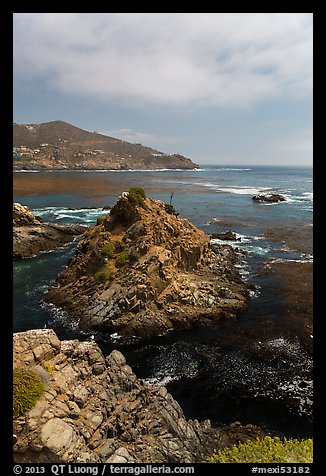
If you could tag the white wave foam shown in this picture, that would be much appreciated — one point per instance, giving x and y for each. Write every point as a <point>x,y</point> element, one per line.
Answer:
<point>244,245</point>
<point>68,210</point>
<point>213,186</point>
<point>243,190</point>
<point>299,390</point>
<point>60,316</point>
<point>161,381</point>
<point>231,169</point>
<point>137,170</point>
<point>243,238</point>
<point>115,336</point>
<point>304,198</point>
<point>84,215</point>
<point>305,258</point>
<point>26,171</point>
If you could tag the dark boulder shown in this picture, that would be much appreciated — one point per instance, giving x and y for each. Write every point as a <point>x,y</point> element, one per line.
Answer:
<point>226,235</point>
<point>269,198</point>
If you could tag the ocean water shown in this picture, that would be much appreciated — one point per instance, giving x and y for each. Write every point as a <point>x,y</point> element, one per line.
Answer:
<point>255,369</point>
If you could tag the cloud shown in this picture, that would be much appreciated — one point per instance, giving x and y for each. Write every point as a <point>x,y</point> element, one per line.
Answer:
<point>299,143</point>
<point>130,135</point>
<point>219,59</point>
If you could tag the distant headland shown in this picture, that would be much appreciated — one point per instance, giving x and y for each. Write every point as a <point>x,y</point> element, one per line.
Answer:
<point>58,145</point>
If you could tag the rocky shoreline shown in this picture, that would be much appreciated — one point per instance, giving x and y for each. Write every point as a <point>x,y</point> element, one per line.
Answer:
<point>30,235</point>
<point>95,409</point>
<point>141,270</point>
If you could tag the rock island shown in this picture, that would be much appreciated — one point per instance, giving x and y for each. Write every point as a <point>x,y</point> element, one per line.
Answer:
<point>142,270</point>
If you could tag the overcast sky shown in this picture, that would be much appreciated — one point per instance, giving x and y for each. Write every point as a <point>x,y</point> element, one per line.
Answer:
<point>220,88</point>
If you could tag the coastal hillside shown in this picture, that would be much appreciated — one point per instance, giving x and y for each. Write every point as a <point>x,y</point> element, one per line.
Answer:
<point>57,145</point>
<point>142,270</point>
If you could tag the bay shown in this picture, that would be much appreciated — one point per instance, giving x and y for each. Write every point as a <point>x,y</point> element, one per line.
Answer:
<point>256,369</point>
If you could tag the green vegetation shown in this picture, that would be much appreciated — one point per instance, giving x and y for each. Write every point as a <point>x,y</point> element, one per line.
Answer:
<point>105,234</point>
<point>170,209</point>
<point>267,450</point>
<point>104,275</point>
<point>159,458</point>
<point>137,195</point>
<point>48,366</point>
<point>101,220</point>
<point>122,259</point>
<point>108,250</point>
<point>27,389</point>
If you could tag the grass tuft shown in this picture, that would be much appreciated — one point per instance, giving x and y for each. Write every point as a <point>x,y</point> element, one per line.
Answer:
<point>27,389</point>
<point>267,450</point>
<point>104,275</point>
<point>137,195</point>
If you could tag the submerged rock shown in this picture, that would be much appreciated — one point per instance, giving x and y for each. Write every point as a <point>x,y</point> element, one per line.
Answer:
<point>142,271</point>
<point>30,235</point>
<point>226,235</point>
<point>269,198</point>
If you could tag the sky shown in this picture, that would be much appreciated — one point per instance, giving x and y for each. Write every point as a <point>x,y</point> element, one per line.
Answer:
<point>220,88</point>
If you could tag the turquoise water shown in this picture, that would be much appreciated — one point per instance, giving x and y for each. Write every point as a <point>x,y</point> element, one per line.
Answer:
<point>216,373</point>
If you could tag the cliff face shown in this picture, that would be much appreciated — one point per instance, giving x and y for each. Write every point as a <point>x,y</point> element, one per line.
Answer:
<point>30,235</point>
<point>143,271</point>
<point>96,410</point>
<point>61,146</point>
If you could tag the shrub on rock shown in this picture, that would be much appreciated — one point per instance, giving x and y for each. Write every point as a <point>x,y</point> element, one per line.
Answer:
<point>267,450</point>
<point>27,389</point>
<point>108,250</point>
<point>104,275</point>
<point>122,259</point>
<point>101,220</point>
<point>170,209</point>
<point>137,195</point>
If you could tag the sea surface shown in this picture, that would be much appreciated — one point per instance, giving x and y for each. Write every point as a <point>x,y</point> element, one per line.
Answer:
<point>255,369</point>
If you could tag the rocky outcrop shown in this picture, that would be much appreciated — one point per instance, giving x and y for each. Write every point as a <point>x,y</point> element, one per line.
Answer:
<point>30,235</point>
<point>226,235</point>
<point>22,216</point>
<point>269,198</point>
<point>144,271</point>
<point>95,409</point>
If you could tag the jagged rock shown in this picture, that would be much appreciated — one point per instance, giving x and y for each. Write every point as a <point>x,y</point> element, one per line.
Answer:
<point>30,235</point>
<point>170,276</point>
<point>226,235</point>
<point>22,216</point>
<point>269,198</point>
<point>75,422</point>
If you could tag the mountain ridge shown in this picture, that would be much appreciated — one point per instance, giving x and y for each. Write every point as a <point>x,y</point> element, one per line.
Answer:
<point>62,146</point>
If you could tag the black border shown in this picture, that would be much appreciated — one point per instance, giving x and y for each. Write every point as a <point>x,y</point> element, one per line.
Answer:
<point>6,235</point>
